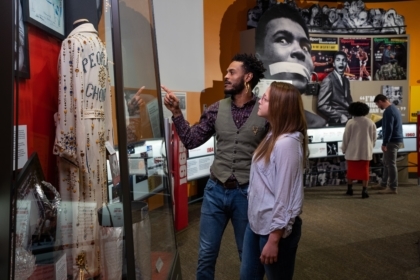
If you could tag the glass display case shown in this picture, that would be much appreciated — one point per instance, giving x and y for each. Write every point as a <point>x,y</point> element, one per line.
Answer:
<point>326,142</point>
<point>327,165</point>
<point>108,214</point>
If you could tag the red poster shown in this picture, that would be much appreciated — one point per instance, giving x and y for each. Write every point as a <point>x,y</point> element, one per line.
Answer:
<point>358,51</point>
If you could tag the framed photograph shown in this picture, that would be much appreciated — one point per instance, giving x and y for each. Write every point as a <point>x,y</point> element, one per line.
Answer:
<point>46,14</point>
<point>41,201</point>
<point>21,44</point>
<point>30,175</point>
<point>358,51</point>
<point>390,58</point>
<point>393,93</point>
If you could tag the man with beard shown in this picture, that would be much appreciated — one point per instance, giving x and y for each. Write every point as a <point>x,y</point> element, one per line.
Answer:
<point>334,96</point>
<point>238,130</point>
<point>282,44</point>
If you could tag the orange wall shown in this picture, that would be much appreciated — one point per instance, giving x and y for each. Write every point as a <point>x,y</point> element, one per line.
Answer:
<point>224,20</point>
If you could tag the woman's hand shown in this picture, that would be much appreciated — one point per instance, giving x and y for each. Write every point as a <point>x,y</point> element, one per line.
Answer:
<point>271,249</point>
<point>269,253</point>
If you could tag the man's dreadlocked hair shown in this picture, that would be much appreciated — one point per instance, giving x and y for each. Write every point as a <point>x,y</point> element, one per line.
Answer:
<point>253,65</point>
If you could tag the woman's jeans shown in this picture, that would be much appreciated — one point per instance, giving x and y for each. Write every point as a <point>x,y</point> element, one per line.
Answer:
<point>283,269</point>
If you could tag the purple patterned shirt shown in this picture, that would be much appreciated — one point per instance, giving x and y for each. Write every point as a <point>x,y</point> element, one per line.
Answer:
<point>198,134</point>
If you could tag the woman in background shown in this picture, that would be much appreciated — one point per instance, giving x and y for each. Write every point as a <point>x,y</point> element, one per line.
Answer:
<point>358,141</point>
<point>276,187</point>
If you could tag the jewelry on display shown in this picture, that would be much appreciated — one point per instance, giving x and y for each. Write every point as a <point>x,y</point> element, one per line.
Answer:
<point>55,203</point>
<point>24,264</point>
<point>82,264</point>
<point>48,210</point>
<point>24,259</point>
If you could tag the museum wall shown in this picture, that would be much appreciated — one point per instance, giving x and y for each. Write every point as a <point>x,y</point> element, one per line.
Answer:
<point>223,23</point>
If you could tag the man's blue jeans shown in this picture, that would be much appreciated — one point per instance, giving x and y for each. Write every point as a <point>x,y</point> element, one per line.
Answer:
<point>219,206</point>
<point>390,173</point>
<point>253,269</point>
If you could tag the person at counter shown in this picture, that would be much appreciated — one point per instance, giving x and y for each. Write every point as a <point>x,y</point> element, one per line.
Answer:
<point>238,130</point>
<point>358,141</point>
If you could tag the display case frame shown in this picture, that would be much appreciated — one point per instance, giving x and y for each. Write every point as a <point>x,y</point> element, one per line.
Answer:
<point>127,191</point>
<point>6,129</point>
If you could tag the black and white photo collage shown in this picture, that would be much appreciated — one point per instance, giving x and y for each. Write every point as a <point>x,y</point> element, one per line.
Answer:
<point>351,17</point>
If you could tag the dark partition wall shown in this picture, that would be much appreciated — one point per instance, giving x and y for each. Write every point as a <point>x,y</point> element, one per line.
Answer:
<point>6,130</point>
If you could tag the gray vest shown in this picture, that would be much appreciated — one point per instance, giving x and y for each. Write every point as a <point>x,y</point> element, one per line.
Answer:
<point>235,146</point>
